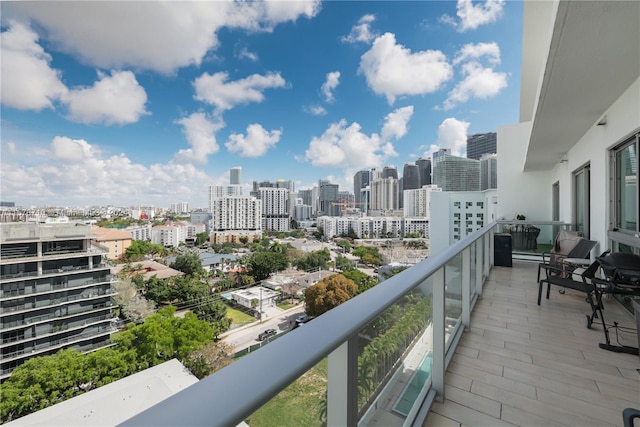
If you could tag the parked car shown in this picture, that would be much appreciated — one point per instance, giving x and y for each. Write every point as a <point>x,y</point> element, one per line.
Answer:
<point>266,334</point>
<point>303,318</point>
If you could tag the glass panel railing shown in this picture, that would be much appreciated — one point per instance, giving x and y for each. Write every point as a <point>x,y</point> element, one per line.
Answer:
<point>472,271</point>
<point>530,239</point>
<point>302,403</point>
<point>391,354</point>
<point>453,295</point>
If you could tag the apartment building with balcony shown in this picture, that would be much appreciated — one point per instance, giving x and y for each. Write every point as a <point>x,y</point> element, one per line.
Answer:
<point>55,291</point>
<point>488,354</point>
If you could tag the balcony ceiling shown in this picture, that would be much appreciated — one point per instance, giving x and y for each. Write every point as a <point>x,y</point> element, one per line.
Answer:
<point>594,57</point>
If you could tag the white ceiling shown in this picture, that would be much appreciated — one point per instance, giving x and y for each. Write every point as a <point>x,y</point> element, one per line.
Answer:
<point>594,58</point>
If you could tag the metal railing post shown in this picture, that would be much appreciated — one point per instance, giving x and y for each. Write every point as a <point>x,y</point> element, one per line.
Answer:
<point>439,344</point>
<point>479,268</point>
<point>342,385</point>
<point>466,288</point>
<point>487,258</point>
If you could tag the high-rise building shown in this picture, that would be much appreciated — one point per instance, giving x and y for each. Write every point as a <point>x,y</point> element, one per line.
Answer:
<point>216,191</point>
<point>488,171</point>
<point>275,208</point>
<point>424,167</point>
<point>56,291</point>
<point>410,176</point>
<point>390,172</point>
<point>328,198</point>
<point>417,202</point>
<point>180,207</point>
<point>360,181</point>
<point>481,143</point>
<point>233,213</point>
<point>235,176</point>
<point>452,173</point>
<point>384,194</point>
<point>306,196</point>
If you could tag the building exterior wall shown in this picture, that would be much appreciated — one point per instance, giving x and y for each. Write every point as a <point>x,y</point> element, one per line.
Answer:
<point>55,292</point>
<point>416,202</point>
<point>452,173</point>
<point>236,213</point>
<point>481,143</point>
<point>456,214</point>
<point>142,232</point>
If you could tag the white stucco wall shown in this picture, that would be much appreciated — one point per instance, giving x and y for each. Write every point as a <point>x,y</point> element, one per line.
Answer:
<point>526,193</point>
<point>530,193</point>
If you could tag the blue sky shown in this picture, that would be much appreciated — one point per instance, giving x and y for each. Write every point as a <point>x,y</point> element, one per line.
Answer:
<point>129,103</point>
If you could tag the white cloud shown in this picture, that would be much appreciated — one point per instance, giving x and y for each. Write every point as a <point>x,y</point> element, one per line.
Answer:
<point>476,51</point>
<point>200,132</point>
<point>257,142</point>
<point>395,124</point>
<point>472,16</point>
<point>27,80</point>
<point>332,82</point>
<point>75,172</point>
<point>244,53</point>
<point>117,99</point>
<point>362,31</point>
<point>478,81</point>
<point>215,90</point>
<point>65,149</point>
<point>346,146</point>
<point>316,110</point>
<point>452,135</point>
<point>160,36</point>
<point>393,70</point>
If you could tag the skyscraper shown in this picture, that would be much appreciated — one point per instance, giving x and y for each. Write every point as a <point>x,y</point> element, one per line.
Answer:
<point>360,181</point>
<point>235,176</point>
<point>410,176</point>
<point>275,208</point>
<point>488,171</point>
<point>452,173</point>
<point>424,167</point>
<point>390,172</point>
<point>481,143</point>
<point>327,195</point>
<point>384,194</point>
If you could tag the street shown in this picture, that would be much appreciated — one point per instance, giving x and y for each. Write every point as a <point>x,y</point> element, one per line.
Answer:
<point>247,335</point>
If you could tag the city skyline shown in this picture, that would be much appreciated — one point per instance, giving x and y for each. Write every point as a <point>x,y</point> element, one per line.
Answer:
<point>304,92</point>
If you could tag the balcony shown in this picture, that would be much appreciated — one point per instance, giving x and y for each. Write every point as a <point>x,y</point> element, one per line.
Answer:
<point>510,362</point>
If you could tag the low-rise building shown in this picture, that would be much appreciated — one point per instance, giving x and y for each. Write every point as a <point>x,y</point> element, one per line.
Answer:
<point>114,239</point>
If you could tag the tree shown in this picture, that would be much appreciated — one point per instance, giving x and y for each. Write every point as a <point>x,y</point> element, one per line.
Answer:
<point>201,238</point>
<point>189,263</point>
<point>344,264</point>
<point>345,245</point>
<point>369,255</point>
<point>159,291</point>
<point>313,260</point>
<point>262,264</point>
<point>164,336</point>
<point>364,281</point>
<point>319,233</point>
<point>44,381</point>
<point>209,358</point>
<point>133,306</point>
<point>139,248</point>
<point>328,293</point>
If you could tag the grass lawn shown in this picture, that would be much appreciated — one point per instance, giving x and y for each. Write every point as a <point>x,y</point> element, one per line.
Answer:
<point>238,317</point>
<point>285,305</point>
<point>300,404</point>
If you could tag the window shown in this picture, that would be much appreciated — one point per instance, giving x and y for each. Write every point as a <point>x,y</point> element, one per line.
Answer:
<point>625,182</point>
<point>555,201</point>
<point>581,199</point>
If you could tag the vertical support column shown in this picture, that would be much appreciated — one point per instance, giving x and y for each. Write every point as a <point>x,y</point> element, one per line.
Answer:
<point>342,385</point>
<point>466,288</point>
<point>39,262</point>
<point>438,369</point>
<point>487,258</point>
<point>479,268</point>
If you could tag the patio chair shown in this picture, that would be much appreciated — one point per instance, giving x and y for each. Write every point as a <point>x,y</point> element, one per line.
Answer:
<point>566,247</point>
<point>556,276</point>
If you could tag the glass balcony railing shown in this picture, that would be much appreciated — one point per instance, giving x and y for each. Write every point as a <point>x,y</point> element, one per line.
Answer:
<point>391,343</point>
<point>529,239</point>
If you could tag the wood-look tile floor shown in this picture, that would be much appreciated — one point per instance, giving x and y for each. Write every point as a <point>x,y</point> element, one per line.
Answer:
<point>528,365</point>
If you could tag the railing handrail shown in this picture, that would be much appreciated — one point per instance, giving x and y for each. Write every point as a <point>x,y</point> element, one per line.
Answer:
<point>290,356</point>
